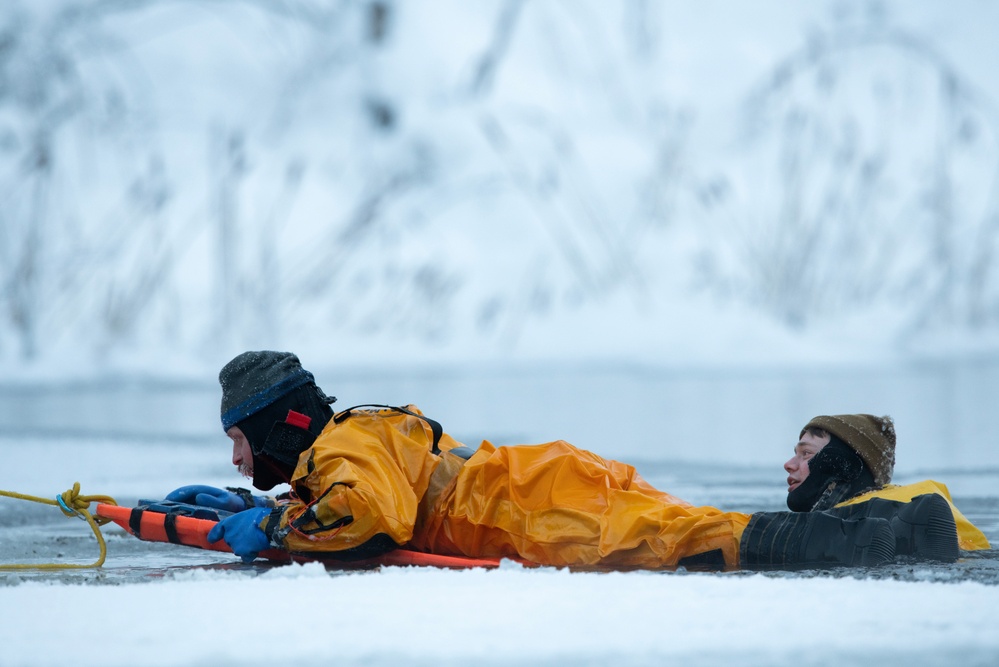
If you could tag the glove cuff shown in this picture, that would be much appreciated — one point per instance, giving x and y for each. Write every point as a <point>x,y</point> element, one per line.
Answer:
<point>272,527</point>
<point>249,500</point>
<point>244,495</point>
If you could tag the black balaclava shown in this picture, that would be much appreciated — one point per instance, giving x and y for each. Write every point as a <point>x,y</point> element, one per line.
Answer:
<point>279,408</point>
<point>835,474</point>
<point>275,442</point>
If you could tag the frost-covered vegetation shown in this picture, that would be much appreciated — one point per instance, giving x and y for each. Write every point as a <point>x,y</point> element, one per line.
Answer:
<point>492,179</point>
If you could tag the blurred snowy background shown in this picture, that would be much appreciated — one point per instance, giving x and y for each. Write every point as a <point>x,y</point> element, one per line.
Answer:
<point>725,216</point>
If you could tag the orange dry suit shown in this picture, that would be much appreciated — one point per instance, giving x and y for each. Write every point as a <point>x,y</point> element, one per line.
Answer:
<point>969,537</point>
<point>376,479</point>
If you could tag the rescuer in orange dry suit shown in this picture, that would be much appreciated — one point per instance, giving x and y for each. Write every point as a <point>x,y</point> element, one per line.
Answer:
<point>370,479</point>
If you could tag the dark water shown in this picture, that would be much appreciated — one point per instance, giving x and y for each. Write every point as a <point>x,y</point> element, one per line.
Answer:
<point>943,410</point>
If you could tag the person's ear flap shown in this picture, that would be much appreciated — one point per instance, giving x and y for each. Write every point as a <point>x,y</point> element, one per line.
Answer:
<point>286,442</point>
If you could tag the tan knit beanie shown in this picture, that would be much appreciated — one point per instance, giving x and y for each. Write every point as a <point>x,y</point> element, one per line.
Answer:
<point>873,438</point>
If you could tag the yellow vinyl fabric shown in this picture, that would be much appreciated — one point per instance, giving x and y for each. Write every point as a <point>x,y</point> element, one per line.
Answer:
<point>560,505</point>
<point>969,537</point>
<point>552,504</point>
<point>361,478</point>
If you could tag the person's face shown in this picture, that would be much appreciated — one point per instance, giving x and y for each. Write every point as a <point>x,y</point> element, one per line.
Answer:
<point>810,443</point>
<point>242,455</point>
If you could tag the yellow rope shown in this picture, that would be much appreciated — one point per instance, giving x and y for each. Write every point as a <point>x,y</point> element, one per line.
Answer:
<point>71,503</point>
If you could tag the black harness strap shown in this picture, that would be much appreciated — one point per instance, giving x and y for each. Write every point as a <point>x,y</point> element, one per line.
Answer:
<point>434,425</point>
<point>170,526</point>
<point>135,521</point>
<point>170,514</point>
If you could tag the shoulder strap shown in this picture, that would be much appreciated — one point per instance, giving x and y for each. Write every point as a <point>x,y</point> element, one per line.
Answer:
<point>434,425</point>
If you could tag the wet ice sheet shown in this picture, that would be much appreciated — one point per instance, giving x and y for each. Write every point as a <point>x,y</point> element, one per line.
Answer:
<point>175,605</point>
<point>37,533</point>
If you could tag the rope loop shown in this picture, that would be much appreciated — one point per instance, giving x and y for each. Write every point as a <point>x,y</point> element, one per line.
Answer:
<point>70,503</point>
<point>68,511</point>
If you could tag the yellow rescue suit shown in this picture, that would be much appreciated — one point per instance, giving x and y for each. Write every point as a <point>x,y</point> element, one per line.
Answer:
<point>373,474</point>
<point>969,537</point>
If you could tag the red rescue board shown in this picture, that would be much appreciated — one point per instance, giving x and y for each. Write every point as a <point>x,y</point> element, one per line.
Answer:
<point>193,532</point>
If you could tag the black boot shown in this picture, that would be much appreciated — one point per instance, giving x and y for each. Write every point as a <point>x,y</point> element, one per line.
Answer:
<point>923,527</point>
<point>796,540</point>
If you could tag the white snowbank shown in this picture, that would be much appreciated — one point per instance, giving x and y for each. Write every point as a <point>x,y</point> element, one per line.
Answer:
<point>302,615</point>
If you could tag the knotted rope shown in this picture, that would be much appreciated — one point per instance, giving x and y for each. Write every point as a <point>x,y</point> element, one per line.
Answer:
<point>71,503</point>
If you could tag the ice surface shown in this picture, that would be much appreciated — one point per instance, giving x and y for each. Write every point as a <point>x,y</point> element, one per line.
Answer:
<point>301,615</point>
<point>159,604</point>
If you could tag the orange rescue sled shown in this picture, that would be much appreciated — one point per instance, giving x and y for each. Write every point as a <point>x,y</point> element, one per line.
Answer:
<point>190,530</point>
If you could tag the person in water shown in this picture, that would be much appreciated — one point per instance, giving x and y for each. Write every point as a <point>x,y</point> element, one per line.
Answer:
<point>845,463</point>
<point>371,479</point>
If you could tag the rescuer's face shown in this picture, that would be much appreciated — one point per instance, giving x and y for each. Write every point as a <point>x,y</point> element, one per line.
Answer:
<point>242,455</point>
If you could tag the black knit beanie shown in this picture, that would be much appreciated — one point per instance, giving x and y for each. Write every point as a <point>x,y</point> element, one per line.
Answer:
<point>254,380</point>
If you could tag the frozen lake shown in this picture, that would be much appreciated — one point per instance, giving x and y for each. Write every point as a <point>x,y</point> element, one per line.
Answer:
<point>711,438</point>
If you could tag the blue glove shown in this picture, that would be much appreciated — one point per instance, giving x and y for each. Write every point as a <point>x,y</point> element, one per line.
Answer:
<point>220,499</point>
<point>242,532</point>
